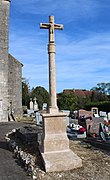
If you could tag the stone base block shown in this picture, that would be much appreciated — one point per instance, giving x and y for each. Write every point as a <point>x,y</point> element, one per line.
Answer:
<point>61,161</point>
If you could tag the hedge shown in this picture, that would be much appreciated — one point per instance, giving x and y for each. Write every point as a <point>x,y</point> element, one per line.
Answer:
<point>102,106</point>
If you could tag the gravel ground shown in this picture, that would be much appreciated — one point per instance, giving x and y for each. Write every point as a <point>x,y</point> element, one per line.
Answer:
<point>96,165</point>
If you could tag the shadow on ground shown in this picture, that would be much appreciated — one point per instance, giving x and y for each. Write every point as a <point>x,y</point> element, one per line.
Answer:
<point>4,145</point>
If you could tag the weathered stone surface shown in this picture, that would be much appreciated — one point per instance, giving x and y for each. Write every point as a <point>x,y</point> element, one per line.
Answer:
<point>10,70</point>
<point>55,145</point>
<point>61,161</point>
<point>4,28</point>
<point>96,163</point>
<point>51,26</point>
<point>15,85</point>
<point>85,113</point>
<point>54,129</point>
<point>95,125</point>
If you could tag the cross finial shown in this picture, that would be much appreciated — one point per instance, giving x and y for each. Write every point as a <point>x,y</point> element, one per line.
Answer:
<point>51,26</point>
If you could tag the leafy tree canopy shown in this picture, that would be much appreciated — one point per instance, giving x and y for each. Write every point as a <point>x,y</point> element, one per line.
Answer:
<point>67,101</point>
<point>41,94</point>
<point>102,88</point>
<point>25,91</point>
<point>98,96</point>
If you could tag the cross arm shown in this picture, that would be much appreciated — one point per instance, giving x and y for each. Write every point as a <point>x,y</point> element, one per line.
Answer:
<point>58,26</point>
<point>44,26</point>
<point>8,0</point>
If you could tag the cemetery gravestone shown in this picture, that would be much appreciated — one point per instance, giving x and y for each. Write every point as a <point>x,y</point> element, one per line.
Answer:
<point>108,116</point>
<point>35,105</point>
<point>95,125</point>
<point>38,118</point>
<point>31,104</point>
<point>102,114</point>
<point>94,111</point>
<point>44,107</point>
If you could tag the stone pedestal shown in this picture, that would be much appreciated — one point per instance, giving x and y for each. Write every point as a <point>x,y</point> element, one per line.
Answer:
<point>55,145</point>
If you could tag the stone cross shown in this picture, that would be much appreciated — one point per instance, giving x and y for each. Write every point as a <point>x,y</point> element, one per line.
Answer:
<point>52,66</point>
<point>51,26</point>
<point>54,146</point>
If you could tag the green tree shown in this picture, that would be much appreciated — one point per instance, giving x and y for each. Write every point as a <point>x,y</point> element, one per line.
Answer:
<point>108,88</point>
<point>98,96</point>
<point>102,88</point>
<point>25,92</point>
<point>41,94</point>
<point>82,100</point>
<point>67,101</point>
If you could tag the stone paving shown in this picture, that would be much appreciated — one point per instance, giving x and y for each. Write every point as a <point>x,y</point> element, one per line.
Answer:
<point>9,169</point>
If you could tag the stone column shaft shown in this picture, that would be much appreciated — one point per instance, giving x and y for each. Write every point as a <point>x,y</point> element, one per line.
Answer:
<point>52,77</point>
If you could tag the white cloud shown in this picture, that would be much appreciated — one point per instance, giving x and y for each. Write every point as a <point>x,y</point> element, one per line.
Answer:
<point>68,10</point>
<point>82,58</point>
<point>79,64</point>
<point>85,63</point>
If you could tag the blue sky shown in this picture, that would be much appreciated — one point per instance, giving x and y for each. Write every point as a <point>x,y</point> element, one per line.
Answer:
<point>82,48</point>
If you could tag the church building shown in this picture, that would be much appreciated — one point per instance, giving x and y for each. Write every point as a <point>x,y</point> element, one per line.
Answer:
<point>10,71</point>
